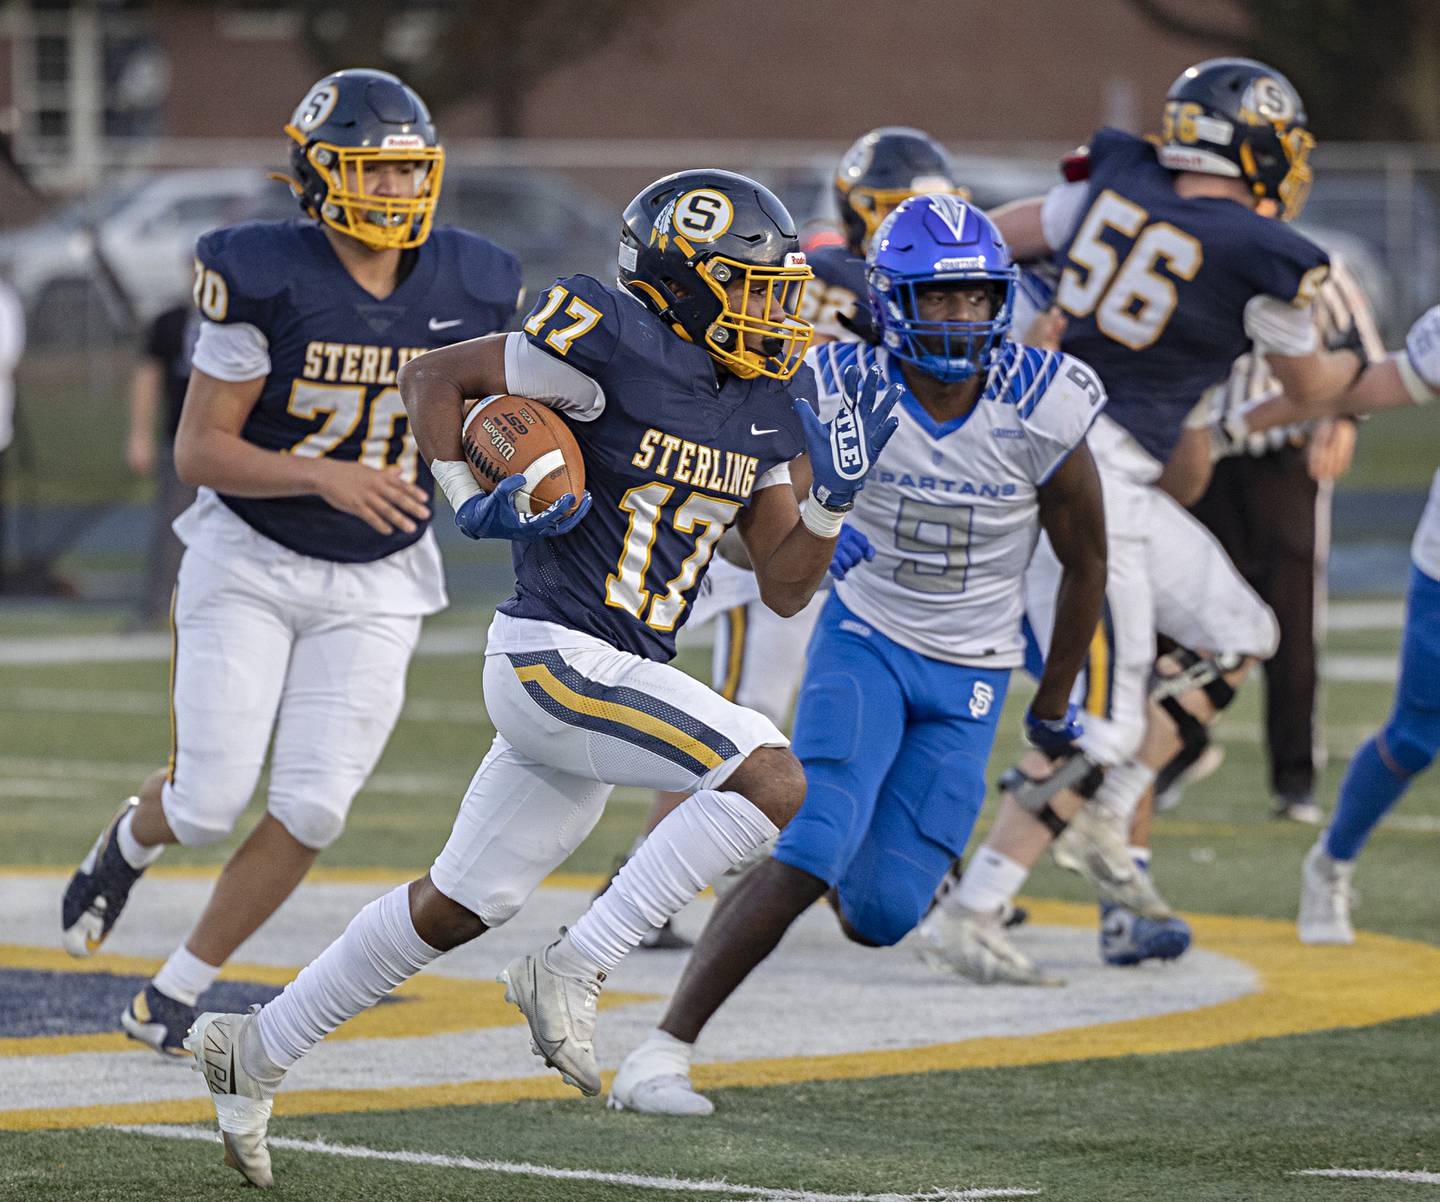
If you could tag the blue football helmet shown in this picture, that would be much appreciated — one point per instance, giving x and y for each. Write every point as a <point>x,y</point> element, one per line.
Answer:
<point>1237,117</point>
<point>348,124</point>
<point>939,240</point>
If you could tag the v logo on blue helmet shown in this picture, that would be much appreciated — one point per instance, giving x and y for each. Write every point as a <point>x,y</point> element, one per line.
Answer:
<point>933,243</point>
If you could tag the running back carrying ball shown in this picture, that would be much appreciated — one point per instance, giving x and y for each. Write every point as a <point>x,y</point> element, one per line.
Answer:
<point>512,435</point>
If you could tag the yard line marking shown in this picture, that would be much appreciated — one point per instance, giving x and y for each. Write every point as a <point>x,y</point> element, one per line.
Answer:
<point>633,1180</point>
<point>1415,1178</point>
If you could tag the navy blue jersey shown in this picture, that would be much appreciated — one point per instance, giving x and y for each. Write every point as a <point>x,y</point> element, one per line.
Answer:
<point>334,351</point>
<point>669,463</point>
<point>837,290</point>
<point>1155,286</point>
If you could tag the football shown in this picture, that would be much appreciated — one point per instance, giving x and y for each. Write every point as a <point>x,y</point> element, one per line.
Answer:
<point>513,435</point>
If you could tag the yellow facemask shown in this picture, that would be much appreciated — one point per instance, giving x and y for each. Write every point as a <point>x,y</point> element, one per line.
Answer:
<point>787,336</point>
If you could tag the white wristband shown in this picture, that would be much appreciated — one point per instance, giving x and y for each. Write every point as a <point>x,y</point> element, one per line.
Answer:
<point>1419,391</point>
<point>821,522</point>
<point>455,481</point>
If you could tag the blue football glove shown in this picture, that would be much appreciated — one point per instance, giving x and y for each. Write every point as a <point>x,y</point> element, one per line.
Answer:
<point>1054,737</point>
<point>843,452</point>
<point>493,515</point>
<point>850,548</point>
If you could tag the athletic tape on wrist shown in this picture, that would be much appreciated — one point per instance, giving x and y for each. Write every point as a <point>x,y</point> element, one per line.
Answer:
<point>821,522</point>
<point>455,481</point>
<point>1420,392</point>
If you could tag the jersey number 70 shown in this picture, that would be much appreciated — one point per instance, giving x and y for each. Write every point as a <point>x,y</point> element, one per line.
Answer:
<point>1132,301</point>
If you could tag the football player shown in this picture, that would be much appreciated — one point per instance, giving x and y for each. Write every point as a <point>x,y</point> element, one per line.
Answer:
<point>1407,744</point>
<point>1172,265</point>
<point>758,656</point>
<point>678,385</point>
<point>309,562</point>
<point>908,671</point>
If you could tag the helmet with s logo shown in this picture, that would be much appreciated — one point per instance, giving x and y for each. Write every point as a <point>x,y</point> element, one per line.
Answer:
<point>348,125</point>
<point>694,244</point>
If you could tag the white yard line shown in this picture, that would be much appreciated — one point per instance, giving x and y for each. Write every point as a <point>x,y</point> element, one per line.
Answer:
<point>1413,1178</point>
<point>632,1180</point>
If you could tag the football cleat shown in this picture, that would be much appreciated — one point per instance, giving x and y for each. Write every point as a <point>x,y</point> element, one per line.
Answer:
<point>957,939</point>
<point>561,1012</point>
<point>1128,938</point>
<point>242,1103</point>
<point>98,891</point>
<point>1325,897</point>
<point>158,1021</point>
<point>650,1084</point>
<point>1095,846</point>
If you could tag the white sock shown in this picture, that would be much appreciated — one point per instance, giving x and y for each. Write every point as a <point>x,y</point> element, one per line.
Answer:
<point>989,881</point>
<point>704,835</point>
<point>1123,787</point>
<point>666,1053</point>
<point>378,951</point>
<point>136,854</point>
<point>185,976</point>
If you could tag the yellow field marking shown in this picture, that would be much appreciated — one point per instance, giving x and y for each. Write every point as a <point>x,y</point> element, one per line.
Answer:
<point>425,1005</point>
<point>1302,989</point>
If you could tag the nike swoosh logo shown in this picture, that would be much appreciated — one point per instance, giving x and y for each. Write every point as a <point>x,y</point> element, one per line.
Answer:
<point>756,430</point>
<point>437,326</point>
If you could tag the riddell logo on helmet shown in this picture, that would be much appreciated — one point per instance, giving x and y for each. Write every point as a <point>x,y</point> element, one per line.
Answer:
<point>403,142</point>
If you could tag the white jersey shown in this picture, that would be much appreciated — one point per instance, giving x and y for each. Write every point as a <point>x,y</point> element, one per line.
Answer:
<point>951,508</point>
<point>1425,550</point>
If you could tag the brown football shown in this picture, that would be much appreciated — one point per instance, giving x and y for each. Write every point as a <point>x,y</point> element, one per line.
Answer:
<point>513,435</point>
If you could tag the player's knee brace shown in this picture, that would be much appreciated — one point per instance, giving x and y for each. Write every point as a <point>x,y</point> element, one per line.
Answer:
<point>1078,773</point>
<point>1410,740</point>
<point>316,823</point>
<point>1207,674</point>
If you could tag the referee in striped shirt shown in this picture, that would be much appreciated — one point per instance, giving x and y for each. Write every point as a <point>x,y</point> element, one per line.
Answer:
<point>1268,503</point>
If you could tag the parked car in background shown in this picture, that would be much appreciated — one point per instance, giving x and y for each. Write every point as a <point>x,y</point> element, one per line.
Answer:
<point>109,261</point>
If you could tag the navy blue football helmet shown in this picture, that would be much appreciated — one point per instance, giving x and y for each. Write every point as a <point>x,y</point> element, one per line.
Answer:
<point>691,240</point>
<point>350,121</point>
<point>882,168</point>
<point>1237,117</point>
<point>939,240</point>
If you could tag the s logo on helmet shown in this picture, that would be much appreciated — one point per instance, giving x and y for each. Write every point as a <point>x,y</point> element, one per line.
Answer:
<point>702,215</point>
<point>316,107</point>
<point>1270,99</point>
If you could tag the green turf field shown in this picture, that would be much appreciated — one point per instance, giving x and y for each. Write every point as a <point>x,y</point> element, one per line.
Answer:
<point>1230,1122</point>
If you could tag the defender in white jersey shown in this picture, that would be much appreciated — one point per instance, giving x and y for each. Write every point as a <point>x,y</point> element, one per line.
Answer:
<point>908,669</point>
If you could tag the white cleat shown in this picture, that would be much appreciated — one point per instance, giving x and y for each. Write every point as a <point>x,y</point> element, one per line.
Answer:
<point>651,1083</point>
<point>1095,845</point>
<point>972,944</point>
<point>1325,896</point>
<point>242,1104</point>
<point>561,1012</point>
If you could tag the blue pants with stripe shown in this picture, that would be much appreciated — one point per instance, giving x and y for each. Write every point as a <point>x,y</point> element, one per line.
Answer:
<point>1410,739</point>
<point>895,747</point>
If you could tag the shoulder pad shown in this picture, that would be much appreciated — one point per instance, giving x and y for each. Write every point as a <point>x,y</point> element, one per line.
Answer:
<point>836,265</point>
<point>579,320</point>
<point>257,259</point>
<point>1288,265</point>
<point>1064,399</point>
<point>489,273</point>
<point>1110,146</point>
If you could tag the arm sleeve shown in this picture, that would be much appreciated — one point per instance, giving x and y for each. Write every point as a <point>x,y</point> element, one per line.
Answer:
<point>1279,327</point>
<point>1061,211</point>
<point>532,373</point>
<point>232,352</point>
<point>779,474</point>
